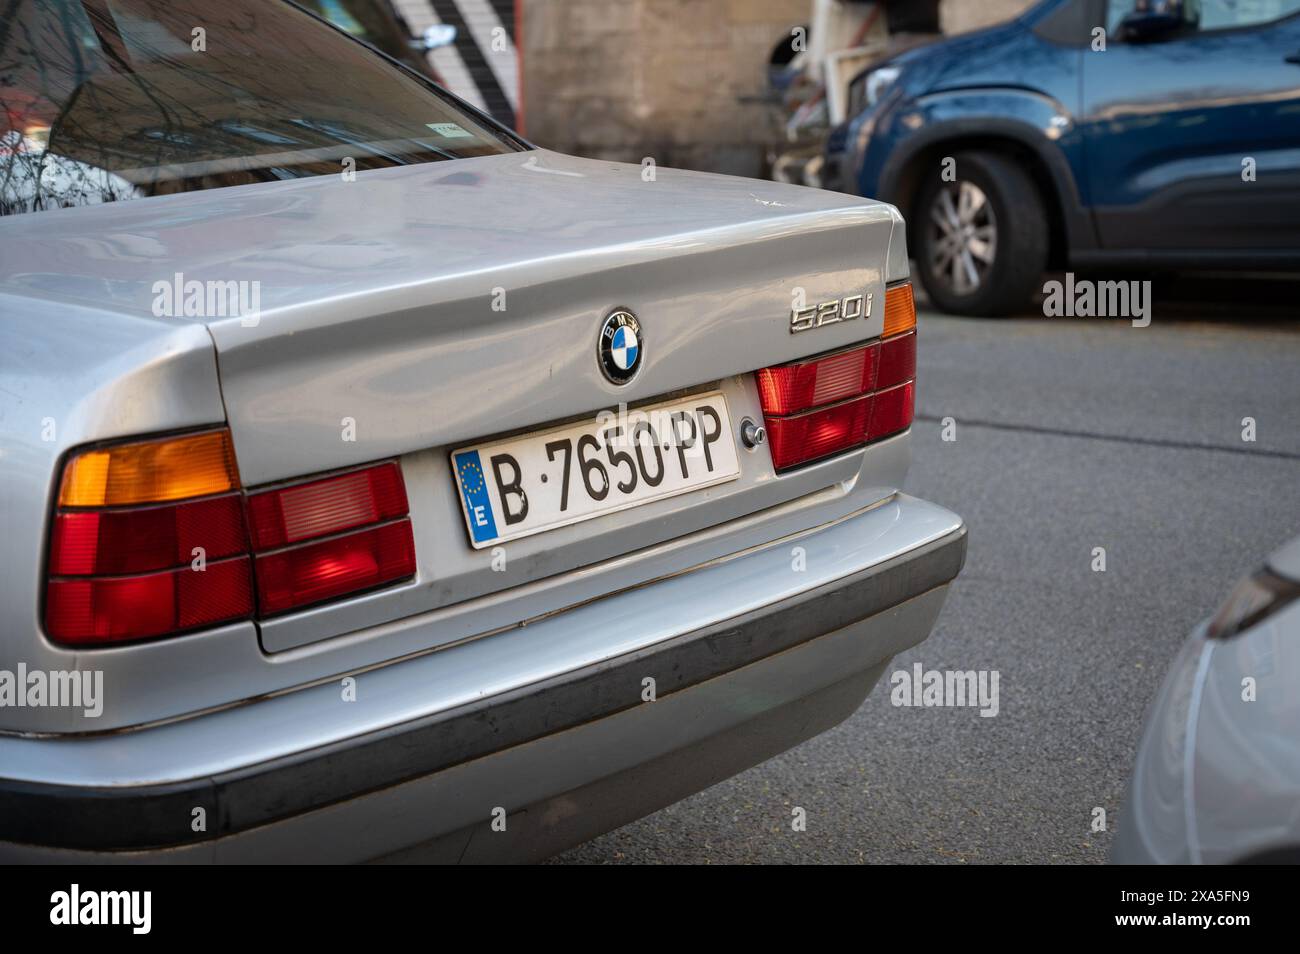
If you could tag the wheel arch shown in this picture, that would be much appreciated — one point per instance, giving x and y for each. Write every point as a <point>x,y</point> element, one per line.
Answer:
<point>1068,223</point>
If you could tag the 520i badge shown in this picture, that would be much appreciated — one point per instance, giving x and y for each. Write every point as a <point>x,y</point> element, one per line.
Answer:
<point>830,312</point>
<point>620,347</point>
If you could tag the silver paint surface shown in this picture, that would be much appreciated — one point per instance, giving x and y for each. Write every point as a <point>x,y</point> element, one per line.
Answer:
<point>376,306</point>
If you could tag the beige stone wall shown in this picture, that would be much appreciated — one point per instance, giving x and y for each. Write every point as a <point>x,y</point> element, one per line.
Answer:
<point>961,16</point>
<point>625,79</point>
<point>676,80</point>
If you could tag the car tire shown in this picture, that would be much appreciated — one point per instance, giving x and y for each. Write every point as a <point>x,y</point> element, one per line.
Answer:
<point>981,240</point>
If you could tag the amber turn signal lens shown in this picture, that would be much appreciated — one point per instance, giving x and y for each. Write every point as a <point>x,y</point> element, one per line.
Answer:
<point>174,468</point>
<point>900,310</point>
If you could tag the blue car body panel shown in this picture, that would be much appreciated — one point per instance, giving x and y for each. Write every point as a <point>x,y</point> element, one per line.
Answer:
<point>1167,129</point>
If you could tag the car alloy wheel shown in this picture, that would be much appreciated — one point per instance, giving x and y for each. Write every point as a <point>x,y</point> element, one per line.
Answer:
<point>963,236</point>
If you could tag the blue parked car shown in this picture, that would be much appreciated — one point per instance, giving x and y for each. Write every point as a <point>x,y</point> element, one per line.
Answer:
<point>1171,139</point>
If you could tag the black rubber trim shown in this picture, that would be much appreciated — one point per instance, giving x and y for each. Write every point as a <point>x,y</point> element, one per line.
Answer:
<point>158,816</point>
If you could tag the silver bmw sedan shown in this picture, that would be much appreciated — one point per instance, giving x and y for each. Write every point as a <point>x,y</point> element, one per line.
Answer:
<point>377,486</point>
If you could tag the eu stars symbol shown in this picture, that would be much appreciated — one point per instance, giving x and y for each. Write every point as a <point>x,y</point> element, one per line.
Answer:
<point>473,488</point>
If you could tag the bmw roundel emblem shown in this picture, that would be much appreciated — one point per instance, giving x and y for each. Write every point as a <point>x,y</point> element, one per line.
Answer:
<point>621,346</point>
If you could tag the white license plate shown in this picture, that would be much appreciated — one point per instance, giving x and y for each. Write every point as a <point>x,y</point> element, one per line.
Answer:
<point>524,485</point>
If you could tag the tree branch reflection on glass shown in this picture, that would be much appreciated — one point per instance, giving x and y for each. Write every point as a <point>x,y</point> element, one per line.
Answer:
<point>109,100</point>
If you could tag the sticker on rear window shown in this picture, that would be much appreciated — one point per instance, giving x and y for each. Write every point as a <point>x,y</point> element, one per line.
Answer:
<point>450,130</point>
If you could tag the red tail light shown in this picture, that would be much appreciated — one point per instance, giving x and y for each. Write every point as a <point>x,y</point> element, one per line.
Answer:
<point>179,557</point>
<point>382,551</point>
<point>100,610</point>
<point>897,360</point>
<point>114,542</point>
<point>790,388</point>
<point>835,402</point>
<point>817,434</point>
<point>317,508</point>
<point>133,555</point>
<point>314,572</point>
<point>892,411</point>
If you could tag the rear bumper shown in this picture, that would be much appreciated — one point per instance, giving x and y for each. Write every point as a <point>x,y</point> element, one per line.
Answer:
<point>566,757</point>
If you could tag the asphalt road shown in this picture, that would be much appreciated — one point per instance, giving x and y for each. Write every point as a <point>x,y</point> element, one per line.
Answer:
<point>1070,434</point>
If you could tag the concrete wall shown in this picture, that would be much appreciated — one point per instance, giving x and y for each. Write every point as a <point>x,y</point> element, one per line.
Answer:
<point>676,80</point>
<point>625,79</point>
<point>961,16</point>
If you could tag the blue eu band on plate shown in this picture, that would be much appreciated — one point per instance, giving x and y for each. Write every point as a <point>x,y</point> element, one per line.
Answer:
<point>473,489</point>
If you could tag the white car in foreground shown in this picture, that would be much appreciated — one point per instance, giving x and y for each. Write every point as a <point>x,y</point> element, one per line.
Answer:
<point>1217,779</point>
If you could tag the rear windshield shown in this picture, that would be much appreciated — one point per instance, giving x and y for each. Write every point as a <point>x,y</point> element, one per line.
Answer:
<point>108,100</point>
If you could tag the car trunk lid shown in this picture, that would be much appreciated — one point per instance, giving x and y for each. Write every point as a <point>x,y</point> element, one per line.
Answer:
<point>421,309</point>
